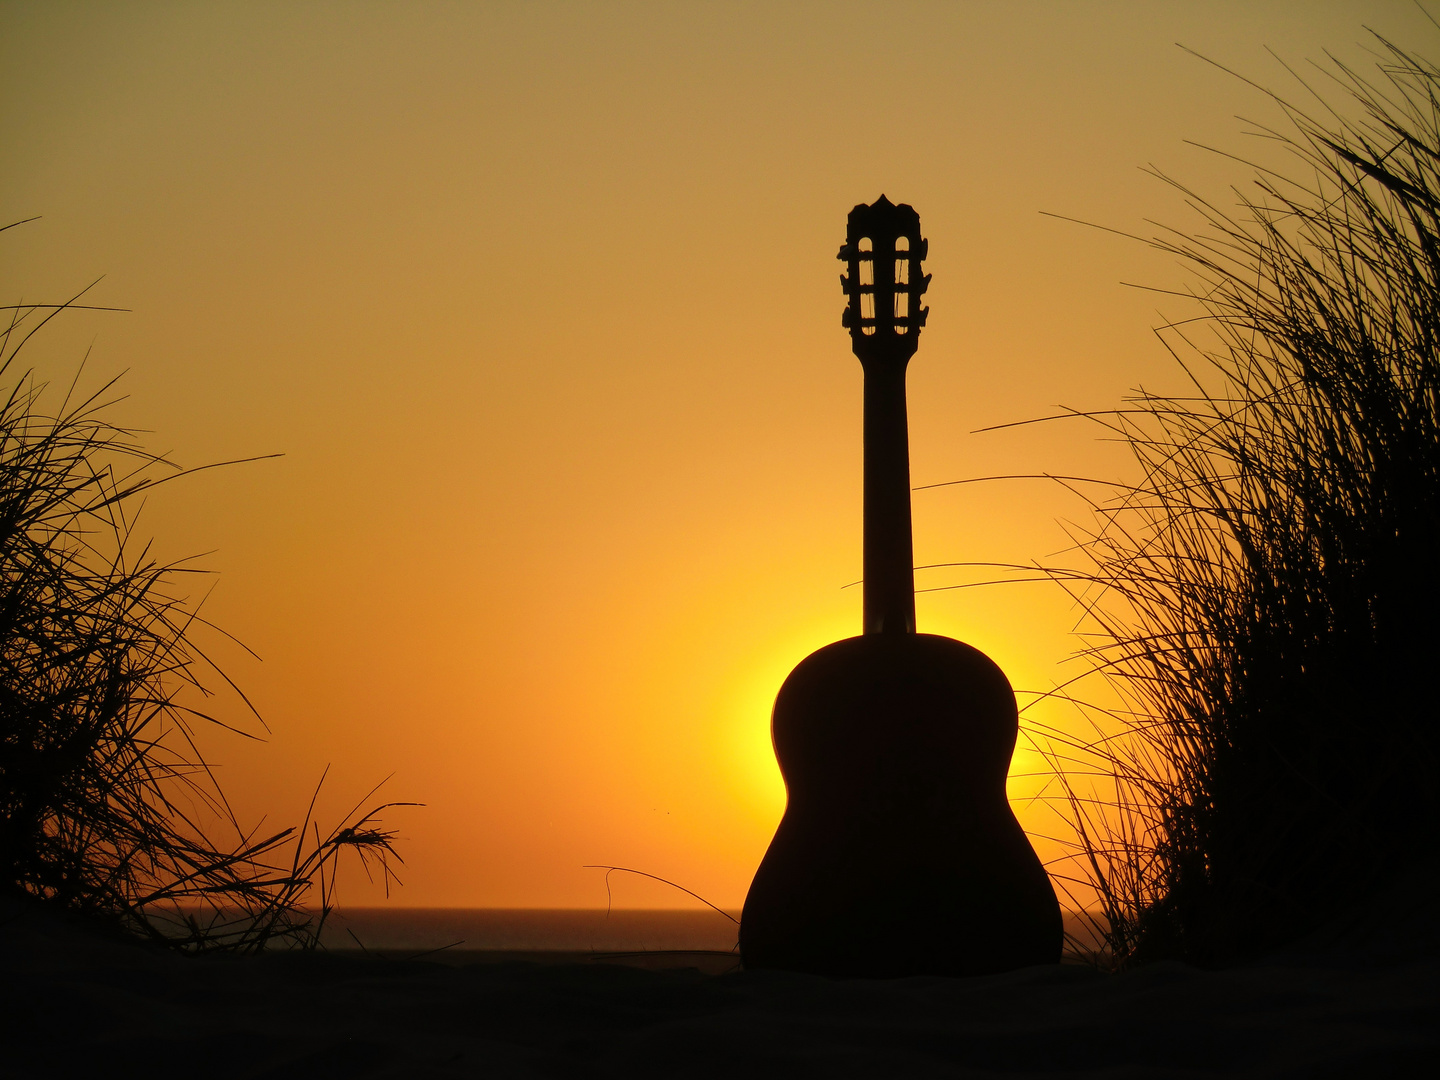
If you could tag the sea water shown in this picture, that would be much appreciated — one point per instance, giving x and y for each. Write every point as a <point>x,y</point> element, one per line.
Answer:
<point>530,930</point>
<point>559,930</point>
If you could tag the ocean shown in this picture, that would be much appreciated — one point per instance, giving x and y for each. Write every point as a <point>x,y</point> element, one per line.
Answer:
<point>699,937</point>
<point>461,933</point>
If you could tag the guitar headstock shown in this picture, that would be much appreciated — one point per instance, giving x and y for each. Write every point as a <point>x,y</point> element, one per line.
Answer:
<point>883,281</point>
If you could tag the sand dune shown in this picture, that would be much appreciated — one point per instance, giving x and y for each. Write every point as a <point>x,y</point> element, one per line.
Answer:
<point>77,1004</point>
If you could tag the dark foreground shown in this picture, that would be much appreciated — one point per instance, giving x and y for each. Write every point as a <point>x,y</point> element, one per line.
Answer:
<point>79,1005</point>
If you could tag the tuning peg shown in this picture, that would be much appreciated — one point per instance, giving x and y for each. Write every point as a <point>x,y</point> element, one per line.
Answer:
<point>845,282</point>
<point>924,285</point>
<point>924,248</point>
<point>845,319</point>
<point>846,252</point>
<point>924,311</point>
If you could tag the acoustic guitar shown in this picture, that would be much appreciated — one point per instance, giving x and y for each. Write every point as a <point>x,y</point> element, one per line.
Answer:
<point>898,853</point>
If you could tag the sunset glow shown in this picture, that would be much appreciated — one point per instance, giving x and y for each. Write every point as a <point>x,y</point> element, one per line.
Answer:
<point>539,303</point>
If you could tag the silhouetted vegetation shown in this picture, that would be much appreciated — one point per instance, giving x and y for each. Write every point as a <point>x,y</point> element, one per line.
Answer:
<point>1264,599</point>
<point>107,806</point>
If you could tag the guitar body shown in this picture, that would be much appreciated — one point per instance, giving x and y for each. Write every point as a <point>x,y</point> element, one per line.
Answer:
<point>898,853</point>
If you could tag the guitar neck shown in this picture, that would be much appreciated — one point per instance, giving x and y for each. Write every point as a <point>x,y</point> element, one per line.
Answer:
<point>889,549</point>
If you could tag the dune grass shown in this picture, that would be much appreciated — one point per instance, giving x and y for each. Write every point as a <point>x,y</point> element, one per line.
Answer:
<point>1264,599</point>
<point>107,805</point>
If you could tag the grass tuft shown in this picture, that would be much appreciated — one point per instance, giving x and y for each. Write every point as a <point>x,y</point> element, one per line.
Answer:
<point>1264,599</point>
<point>107,806</point>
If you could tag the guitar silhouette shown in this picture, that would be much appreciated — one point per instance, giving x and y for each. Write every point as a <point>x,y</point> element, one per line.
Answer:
<point>898,853</point>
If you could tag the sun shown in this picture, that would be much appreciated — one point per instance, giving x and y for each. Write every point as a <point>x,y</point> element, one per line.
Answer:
<point>748,753</point>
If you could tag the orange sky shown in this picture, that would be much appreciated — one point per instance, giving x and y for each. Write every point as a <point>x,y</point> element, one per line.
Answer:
<point>539,301</point>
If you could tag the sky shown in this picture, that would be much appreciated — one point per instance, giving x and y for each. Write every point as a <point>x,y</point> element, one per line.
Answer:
<point>539,304</point>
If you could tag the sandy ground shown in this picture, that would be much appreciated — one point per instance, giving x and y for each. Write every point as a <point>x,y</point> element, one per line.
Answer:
<point>80,1005</point>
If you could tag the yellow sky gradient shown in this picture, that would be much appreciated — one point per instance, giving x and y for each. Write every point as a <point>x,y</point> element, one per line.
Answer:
<point>539,301</point>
